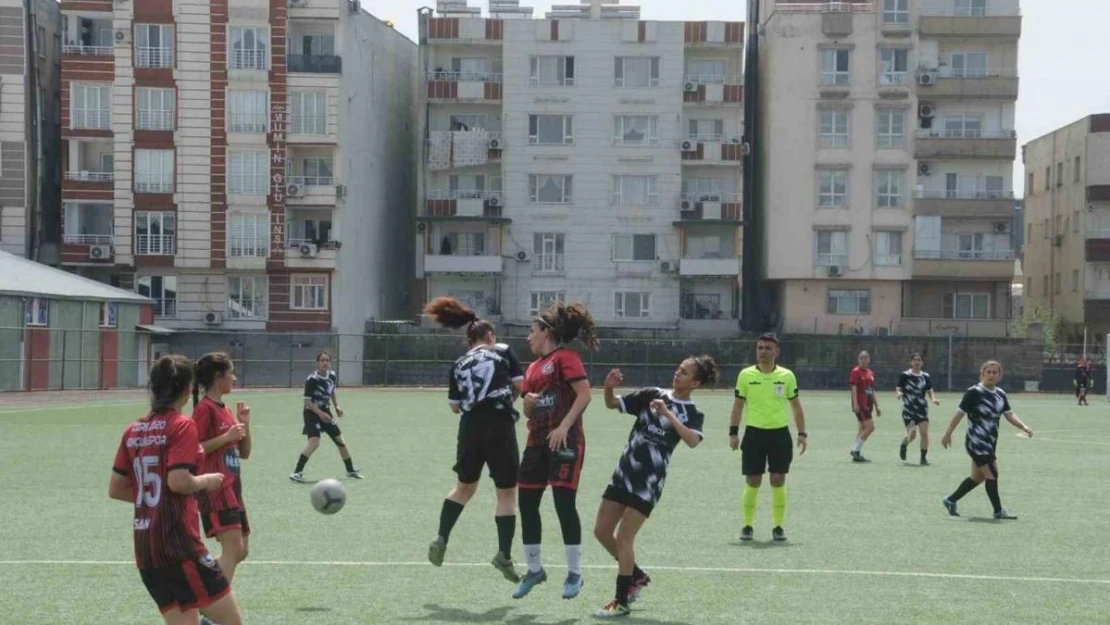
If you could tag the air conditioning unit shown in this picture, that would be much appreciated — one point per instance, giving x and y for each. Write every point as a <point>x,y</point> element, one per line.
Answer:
<point>835,271</point>
<point>307,250</point>
<point>100,252</point>
<point>522,256</point>
<point>686,205</point>
<point>213,318</point>
<point>926,111</point>
<point>297,3</point>
<point>1058,240</point>
<point>1001,227</point>
<point>927,77</point>
<point>294,190</point>
<point>495,143</point>
<point>668,267</point>
<point>883,331</point>
<point>494,201</point>
<point>690,87</point>
<point>122,36</point>
<point>352,6</point>
<point>923,169</point>
<point>689,146</point>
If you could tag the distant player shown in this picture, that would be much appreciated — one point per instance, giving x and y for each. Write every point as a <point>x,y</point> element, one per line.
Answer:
<point>763,392</point>
<point>865,405</point>
<point>984,405</point>
<point>915,389</point>
<point>226,440</point>
<point>556,393</point>
<point>1082,381</point>
<point>155,470</point>
<point>483,384</point>
<point>319,396</point>
<point>663,419</point>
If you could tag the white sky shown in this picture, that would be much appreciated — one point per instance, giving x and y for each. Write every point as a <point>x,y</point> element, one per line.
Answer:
<point>1061,78</point>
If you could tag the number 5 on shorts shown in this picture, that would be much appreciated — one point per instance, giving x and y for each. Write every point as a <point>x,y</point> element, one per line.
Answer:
<point>564,471</point>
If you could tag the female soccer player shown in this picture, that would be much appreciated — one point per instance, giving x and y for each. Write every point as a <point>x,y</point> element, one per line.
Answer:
<point>864,404</point>
<point>984,405</point>
<point>556,393</point>
<point>663,418</point>
<point>226,440</point>
<point>483,384</point>
<point>319,395</point>
<point>155,471</point>
<point>1082,381</point>
<point>915,389</point>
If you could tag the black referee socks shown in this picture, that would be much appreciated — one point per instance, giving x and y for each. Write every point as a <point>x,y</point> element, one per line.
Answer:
<point>448,516</point>
<point>506,529</point>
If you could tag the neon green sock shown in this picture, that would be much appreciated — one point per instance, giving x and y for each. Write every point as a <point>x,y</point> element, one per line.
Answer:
<point>749,499</point>
<point>778,510</point>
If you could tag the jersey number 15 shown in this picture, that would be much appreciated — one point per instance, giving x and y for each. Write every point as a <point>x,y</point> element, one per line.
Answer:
<point>148,490</point>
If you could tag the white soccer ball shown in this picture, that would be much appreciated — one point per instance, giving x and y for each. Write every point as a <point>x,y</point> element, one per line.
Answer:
<point>328,496</point>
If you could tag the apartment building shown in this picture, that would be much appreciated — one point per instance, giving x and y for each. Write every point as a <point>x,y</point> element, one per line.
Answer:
<point>30,57</point>
<point>1066,258</point>
<point>241,163</point>
<point>887,179</point>
<point>588,155</point>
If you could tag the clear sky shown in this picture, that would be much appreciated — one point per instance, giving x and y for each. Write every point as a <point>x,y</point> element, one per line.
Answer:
<point>1061,77</point>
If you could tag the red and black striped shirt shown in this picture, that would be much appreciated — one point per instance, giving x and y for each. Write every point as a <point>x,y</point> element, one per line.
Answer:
<point>551,378</point>
<point>213,420</point>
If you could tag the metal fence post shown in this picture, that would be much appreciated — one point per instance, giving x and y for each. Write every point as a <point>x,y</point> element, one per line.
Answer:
<point>290,364</point>
<point>63,383</point>
<point>385,360</point>
<point>950,363</point>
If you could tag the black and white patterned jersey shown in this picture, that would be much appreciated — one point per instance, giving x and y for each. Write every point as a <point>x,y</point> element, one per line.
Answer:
<point>484,377</point>
<point>642,468</point>
<point>984,409</point>
<point>915,388</point>
<point>320,388</point>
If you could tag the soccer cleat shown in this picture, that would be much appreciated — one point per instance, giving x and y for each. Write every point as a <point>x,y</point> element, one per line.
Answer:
<point>528,582</point>
<point>924,462</point>
<point>902,450</point>
<point>436,550</point>
<point>638,586</point>
<point>1005,515</point>
<point>778,535</point>
<point>572,586</point>
<point>858,457</point>
<point>355,475</point>
<point>297,476</point>
<point>746,533</point>
<point>950,506</point>
<point>613,609</point>
<point>506,566</point>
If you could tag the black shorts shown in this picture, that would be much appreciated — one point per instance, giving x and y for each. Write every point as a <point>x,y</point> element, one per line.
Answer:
<point>189,585</point>
<point>314,426</point>
<point>764,451</point>
<point>540,467</point>
<point>914,418</point>
<point>487,439</point>
<point>219,521</point>
<point>625,498</point>
<point>982,460</point>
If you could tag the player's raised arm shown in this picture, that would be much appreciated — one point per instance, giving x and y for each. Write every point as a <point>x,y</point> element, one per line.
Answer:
<point>612,381</point>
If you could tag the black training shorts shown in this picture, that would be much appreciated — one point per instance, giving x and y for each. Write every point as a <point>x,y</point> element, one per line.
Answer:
<point>190,585</point>
<point>625,498</point>
<point>763,451</point>
<point>314,426</point>
<point>487,438</point>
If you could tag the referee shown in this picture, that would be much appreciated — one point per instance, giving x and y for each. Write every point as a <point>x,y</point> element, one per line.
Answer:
<point>765,389</point>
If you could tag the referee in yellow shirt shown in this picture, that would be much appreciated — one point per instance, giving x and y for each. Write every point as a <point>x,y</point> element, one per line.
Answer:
<point>764,390</point>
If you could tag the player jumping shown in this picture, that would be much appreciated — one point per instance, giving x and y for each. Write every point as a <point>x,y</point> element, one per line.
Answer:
<point>861,383</point>
<point>915,389</point>
<point>319,394</point>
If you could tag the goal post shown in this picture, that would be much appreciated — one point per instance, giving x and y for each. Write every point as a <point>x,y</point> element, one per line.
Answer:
<point>1106,364</point>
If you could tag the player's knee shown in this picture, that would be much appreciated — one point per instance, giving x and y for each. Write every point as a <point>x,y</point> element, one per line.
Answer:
<point>466,491</point>
<point>755,481</point>
<point>778,480</point>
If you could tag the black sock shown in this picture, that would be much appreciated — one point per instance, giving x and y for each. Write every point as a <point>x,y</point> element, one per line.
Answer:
<point>303,460</point>
<point>637,572</point>
<point>350,463</point>
<point>924,452</point>
<point>966,487</point>
<point>992,494</point>
<point>624,583</point>
<point>905,441</point>
<point>448,516</point>
<point>506,529</point>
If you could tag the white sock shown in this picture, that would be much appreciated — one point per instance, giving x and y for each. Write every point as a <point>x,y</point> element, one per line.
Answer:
<point>532,556</point>
<point>858,445</point>
<point>574,559</point>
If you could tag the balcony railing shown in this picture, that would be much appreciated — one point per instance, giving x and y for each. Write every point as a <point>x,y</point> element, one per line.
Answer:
<point>254,123</point>
<point>248,247</point>
<point>715,79</point>
<point>165,307</point>
<point>989,255</point>
<point>314,63</point>
<point>465,76</point>
<point>148,183</point>
<point>831,260</point>
<point>953,194</point>
<point>83,50</point>
<point>154,120</point>
<point>312,181</point>
<point>723,198</point>
<point>549,263</point>
<point>826,7</point>
<point>87,239</point>
<point>940,10</point>
<point>461,194</point>
<point>973,72</point>
<point>1098,293</point>
<point>91,119</point>
<point>153,57</point>
<point>249,59</point>
<point>90,176</point>
<point>965,133</point>
<point>1098,233</point>
<point>154,244</point>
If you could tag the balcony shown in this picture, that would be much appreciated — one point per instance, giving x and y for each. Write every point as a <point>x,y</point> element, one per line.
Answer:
<point>314,64</point>
<point>972,264</point>
<point>308,254</point>
<point>965,204</point>
<point>90,176</point>
<point>709,267</point>
<point>970,84</point>
<point>302,189</point>
<point>715,35</point>
<point>89,165</point>
<point>476,205</point>
<point>713,207</point>
<point>712,150</point>
<point>713,89</point>
<point>87,233</point>
<point>154,244</point>
<point>460,264</point>
<point>1100,293</point>
<point>313,9</point>
<point>249,59</point>
<point>248,123</point>
<point>90,119</point>
<point>452,149</point>
<point>154,120</point>
<point>967,144</point>
<point>936,21</point>
<point>153,183</point>
<point>1097,245</point>
<point>464,86</point>
<point>152,57</point>
<point>87,50</point>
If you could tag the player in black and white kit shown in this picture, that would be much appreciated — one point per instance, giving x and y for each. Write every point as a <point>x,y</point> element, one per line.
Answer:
<point>482,386</point>
<point>319,396</point>
<point>915,389</point>
<point>985,405</point>
<point>663,419</point>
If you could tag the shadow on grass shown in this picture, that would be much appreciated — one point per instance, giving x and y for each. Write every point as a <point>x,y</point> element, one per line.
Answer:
<point>982,519</point>
<point>763,544</point>
<point>444,614</point>
<point>313,609</point>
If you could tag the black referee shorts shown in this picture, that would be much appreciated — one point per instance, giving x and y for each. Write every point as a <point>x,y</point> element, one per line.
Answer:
<point>487,438</point>
<point>766,451</point>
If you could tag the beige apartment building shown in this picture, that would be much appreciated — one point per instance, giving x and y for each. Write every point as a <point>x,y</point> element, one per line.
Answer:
<point>1066,258</point>
<point>889,142</point>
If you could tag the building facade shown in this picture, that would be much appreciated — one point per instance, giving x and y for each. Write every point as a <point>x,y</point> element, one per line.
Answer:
<point>1067,224</point>
<point>587,156</point>
<point>30,66</point>
<point>888,127</point>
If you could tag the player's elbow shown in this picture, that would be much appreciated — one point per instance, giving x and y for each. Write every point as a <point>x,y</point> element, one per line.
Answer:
<point>181,482</point>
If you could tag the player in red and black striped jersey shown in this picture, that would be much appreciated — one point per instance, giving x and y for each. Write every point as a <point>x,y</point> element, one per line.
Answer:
<point>155,470</point>
<point>226,440</point>
<point>556,393</point>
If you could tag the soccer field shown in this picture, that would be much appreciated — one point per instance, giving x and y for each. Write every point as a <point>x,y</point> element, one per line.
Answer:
<point>868,543</point>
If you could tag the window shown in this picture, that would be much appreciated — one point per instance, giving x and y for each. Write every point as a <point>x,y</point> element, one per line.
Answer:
<point>550,189</point>
<point>154,108</point>
<point>309,292</point>
<point>636,71</point>
<point>971,305</point>
<point>1047,178</point>
<point>316,171</point>
<point>248,235</point>
<point>635,130</point>
<point>472,121</point>
<point>552,71</point>
<point>161,289</point>
<point>1076,176</point>
<point>315,45</point>
<point>248,48</point>
<point>893,66</point>
<point>470,68</point>
<point>706,71</point>
<point>246,297</point>
<point>315,230</point>
<point>890,128</point>
<point>832,248</point>
<point>702,189</point>
<point>834,129</point>
<point>706,129</point>
<point>539,301</point>
<point>970,245</point>
<point>634,191</point>
<point>971,8</point>
<point>1075,221</point>
<point>549,249</point>
<point>109,315</point>
<point>1045,287</point>
<point>463,244</point>
<point>153,45</point>
<point>896,11</point>
<point>888,252</point>
<point>632,305</point>
<point>705,246</point>
<point>702,306</point>
<point>308,113</point>
<point>248,111</point>
<point>1029,185</point>
<point>834,67</point>
<point>963,126</point>
<point>832,188</point>
<point>154,171</point>
<point>154,233</point>
<point>467,186</point>
<point>1057,283</point>
<point>1074,279</point>
<point>969,64</point>
<point>634,247</point>
<point>248,172</point>
<point>1060,174</point>
<point>37,312</point>
<point>971,187</point>
<point>550,129</point>
<point>888,188</point>
<point>90,107</point>
<point>849,302</point>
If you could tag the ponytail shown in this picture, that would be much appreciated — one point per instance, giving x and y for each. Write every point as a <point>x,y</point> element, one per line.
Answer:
<point>170,377</point>
<point>207,368</point>
<point>570,322</point>
<point>451,313</point>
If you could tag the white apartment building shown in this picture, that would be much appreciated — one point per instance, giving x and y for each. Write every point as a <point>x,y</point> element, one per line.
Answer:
<point>888,128</point>
<point>586,156</point>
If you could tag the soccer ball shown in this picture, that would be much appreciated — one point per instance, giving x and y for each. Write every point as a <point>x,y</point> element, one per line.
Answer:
<point>328,496</point>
